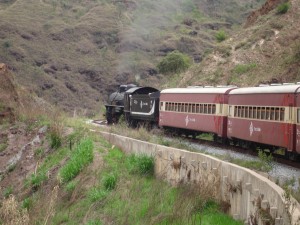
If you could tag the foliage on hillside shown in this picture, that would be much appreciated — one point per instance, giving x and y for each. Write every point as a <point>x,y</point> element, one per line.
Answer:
<point>73,53</point>
<point>265,52</point>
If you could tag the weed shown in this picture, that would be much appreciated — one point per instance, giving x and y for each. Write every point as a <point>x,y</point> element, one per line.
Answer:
<point>36,180</point>
<point>11,167</point>
<point>94,222</point>
<point>97,194</point>
<point>7,191</point>
<point>11,213</point>
<point>109,181</point>
<point>7,44</point>
<point>56,130</point>
<point>267,161</point>
<point>81,157</point>
<point>243,68</point>
<point>3,146</point>
<point>141,164</point>
<point>27,203</point>
<point>283,8</point>
<point>174,62</point>
<point>70,187</point>
<point>39,152</point>
<point>220,36</point>
<point>55,139</point>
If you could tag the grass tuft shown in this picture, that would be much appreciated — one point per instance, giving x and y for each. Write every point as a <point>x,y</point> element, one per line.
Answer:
<point>81,157</point>
<point>109,181</point>
<point>141,164</point>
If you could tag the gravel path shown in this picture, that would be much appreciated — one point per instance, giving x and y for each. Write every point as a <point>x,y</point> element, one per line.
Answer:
<point>279,172</point>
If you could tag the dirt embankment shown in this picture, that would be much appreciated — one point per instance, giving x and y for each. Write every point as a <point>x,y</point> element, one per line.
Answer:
<point>8,94</point>
<point>265,9</point>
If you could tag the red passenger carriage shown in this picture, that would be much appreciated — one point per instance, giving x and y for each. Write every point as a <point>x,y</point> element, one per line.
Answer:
<point>195,110</point>
<point>264,116</point>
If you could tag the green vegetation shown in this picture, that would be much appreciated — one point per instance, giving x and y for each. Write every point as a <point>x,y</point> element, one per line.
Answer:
<point>142,164</point>
<point>221,36</point>
<point>109,181</point>
<point>80,157</point>
<point>7,191</point>
<point>27,203</point>
<point>243,68</point>
<point>139,198</point>
<point>267,161</point>
<point>283,8</point>
<point>174,62</point>
<point>3,143</point>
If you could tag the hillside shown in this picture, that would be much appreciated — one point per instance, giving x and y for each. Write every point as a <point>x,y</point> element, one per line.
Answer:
<point>73,53</point>
<point>266,51</point>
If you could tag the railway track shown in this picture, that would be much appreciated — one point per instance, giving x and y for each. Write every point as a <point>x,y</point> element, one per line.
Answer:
<point>277,157</point>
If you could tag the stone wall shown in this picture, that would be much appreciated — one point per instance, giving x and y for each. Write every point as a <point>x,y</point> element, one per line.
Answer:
<point>251,197</point>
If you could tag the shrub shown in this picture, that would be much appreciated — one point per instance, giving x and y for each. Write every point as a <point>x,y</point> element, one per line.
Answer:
<point>174,62</point>
<point>220,36</point>
<point>109,181</point>
<point>81,157</point>
<point>283,8</point>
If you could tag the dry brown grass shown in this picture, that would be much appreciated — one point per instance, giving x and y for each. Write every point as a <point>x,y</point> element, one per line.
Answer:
<point>12,214</point>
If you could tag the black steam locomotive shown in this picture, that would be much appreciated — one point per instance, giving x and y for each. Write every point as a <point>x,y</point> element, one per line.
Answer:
<point>137,104</point>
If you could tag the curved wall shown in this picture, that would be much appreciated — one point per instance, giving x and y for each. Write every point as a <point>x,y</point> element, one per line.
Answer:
<point>250,197</point>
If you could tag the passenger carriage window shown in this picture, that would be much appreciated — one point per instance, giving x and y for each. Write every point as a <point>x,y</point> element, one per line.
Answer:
<point>209,109</point>
<point>268,113</point>
<point>182,107</point>
<point>161,106</point>
<point>246,112</point>
<point>298,115</point>
<point>254,112</point>
<point>242,111</point>
<point>205,108</point>
<point>235,111</point>
<point>282,112</point>
<point>197,108</point>
<point>259,113</point>
<point>263,113</point>
<point>272,113</point>
<point>250,112</point>
<point>213,109</point>
<point>277,117</point>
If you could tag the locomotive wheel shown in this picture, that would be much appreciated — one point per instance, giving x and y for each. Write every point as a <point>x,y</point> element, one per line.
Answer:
<point>109,118</point>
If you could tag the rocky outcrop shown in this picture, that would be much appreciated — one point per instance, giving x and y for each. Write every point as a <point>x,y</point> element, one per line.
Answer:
<point>265,9</point>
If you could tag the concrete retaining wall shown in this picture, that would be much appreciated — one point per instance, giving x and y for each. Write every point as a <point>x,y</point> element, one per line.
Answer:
<point>251,197</point>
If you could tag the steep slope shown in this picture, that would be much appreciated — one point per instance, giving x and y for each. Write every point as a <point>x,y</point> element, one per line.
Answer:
<point>266,51</point>
<point>72,53</point>
<point>8,94</point>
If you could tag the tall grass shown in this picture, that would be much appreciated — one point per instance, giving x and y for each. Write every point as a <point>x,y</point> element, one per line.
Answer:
<point>80,157</point>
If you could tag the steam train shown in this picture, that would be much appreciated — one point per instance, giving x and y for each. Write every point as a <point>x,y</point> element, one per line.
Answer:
<point>267,116</point>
